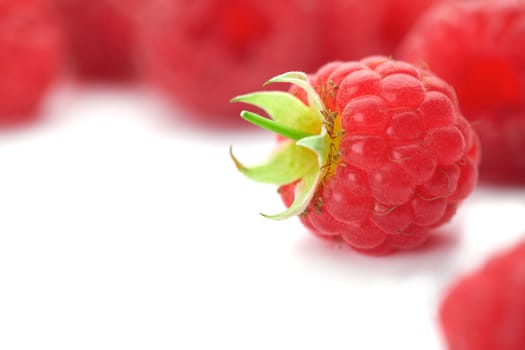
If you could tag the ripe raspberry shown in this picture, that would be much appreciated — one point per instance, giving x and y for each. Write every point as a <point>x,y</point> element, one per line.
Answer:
<point>476,46</point>
<point>101,37</point>
<point>30,55</point>
<point>215,49</point>
<point>376,152</point>
<point>486,309</point>
<point>351,30</point>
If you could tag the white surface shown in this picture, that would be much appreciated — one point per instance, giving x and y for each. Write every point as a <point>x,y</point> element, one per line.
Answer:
<point>120,230</point>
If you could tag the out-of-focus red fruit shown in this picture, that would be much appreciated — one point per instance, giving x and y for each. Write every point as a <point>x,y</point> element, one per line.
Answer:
<point>101,37</point>
<point>30,58</point>
<point>486,309</point>
<point>477,46</point>
<point>201,53</point>
<point>352,29</point>
<point>398,19</point>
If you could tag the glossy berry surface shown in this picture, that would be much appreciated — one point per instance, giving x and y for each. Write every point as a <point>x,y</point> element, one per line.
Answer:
<point>212,50</point>
<point>101,37</point>
<point>485,310</point>
<point>401,157</point>
<point>477,46</point>
<point>30,57</point>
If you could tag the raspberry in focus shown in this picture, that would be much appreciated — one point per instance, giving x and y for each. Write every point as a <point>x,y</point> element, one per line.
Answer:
<point>374,152</point>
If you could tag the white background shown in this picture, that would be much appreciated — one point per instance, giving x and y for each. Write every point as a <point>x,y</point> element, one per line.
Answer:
<point>123,227</point>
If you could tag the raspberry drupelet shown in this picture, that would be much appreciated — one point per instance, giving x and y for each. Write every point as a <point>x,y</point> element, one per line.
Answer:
<point>374,152</point>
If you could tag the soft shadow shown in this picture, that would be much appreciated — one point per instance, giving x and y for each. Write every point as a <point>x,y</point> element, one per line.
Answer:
<point>434,257</point>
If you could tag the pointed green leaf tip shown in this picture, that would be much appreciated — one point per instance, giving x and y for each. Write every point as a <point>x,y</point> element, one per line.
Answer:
<point>285,109</point>
<point>304,155</point>
<point>271,125</point>
<point>287,164</point>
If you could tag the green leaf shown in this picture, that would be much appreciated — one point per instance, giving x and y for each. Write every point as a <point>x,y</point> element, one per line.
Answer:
<point>301,79</point>
<point>287,164</point>
<point>318,144</point>
<point>273,126</point>
<point>284,108</point>
<point>304,192</point>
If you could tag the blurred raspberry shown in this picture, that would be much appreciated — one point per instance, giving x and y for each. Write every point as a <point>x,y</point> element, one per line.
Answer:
<point>486,309</point>
<point>101,37</point>
<point>477,46</point>
<point>30,57</point>
<point>201,53</point>
<point>352,29</point>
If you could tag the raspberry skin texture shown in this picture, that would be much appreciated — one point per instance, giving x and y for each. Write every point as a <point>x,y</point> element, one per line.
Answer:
<point>30,59</point>
<point>101,37</point>
<point>476,46</point>
<point>485,310</point>
<point>201,53</point>
<point>401,156</point>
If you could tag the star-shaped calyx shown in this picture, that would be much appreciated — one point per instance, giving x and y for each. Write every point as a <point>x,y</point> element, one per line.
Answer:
<point>308,155</point>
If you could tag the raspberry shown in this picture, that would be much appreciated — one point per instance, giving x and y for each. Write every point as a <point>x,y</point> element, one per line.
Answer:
<point>101,37</point>
<point>399,17</point>
<point>375,152</point>
<point>30,56</point>
<point>485,310</point>
<point>215,49</point>
<point>351,30</point>
<point>476,46</point>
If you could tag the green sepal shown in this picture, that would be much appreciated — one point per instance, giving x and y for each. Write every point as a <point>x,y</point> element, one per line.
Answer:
<point>319,144</point>
<point>301,79</point>
<point>304,191</point>
<point>287,164</point>
<point>274,126</point>
<point>305,158</point>
<point>284,108</point>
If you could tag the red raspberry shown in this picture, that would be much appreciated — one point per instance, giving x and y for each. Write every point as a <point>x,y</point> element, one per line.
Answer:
<point>377,155</point>
<point>399,17</point>
<point>477,47</point>
<point>101,36</point>
<point>349,29</point>
<point>352,30</point>
<point>30,56</point>
<point>486,309</point>
<point>203,52</point>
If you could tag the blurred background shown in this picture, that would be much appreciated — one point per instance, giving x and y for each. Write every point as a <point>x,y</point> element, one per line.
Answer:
<point>124,223</point>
